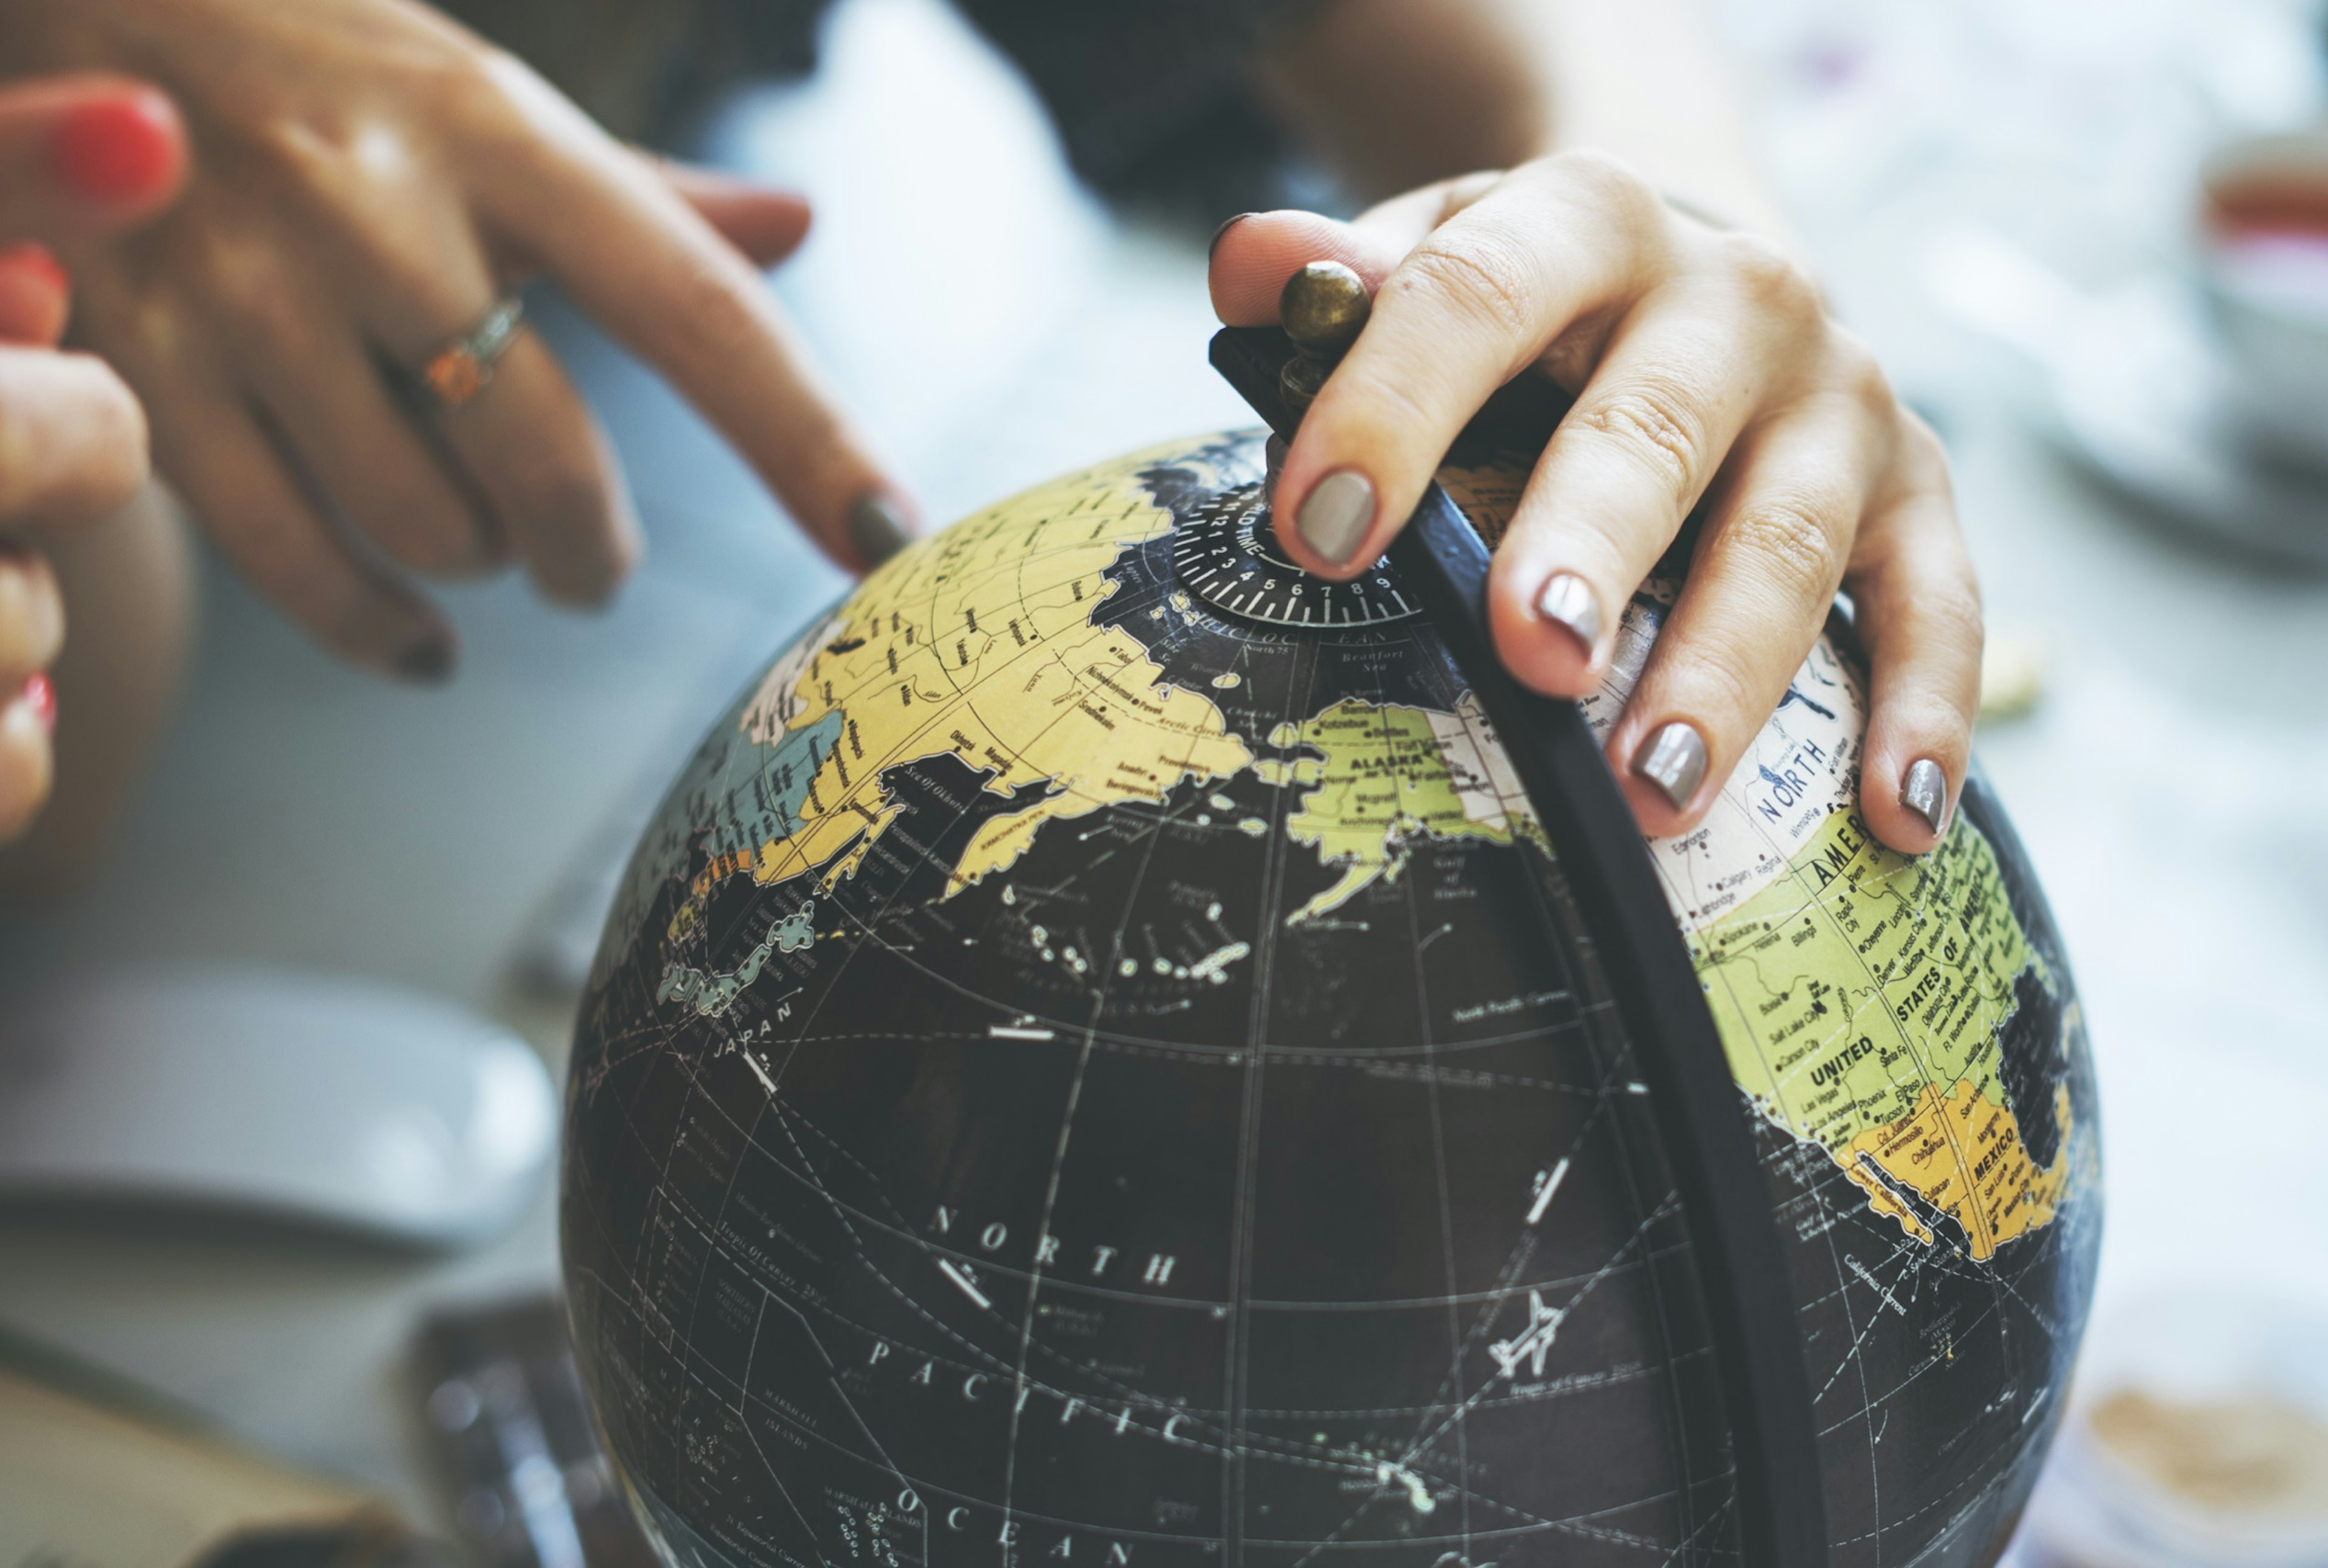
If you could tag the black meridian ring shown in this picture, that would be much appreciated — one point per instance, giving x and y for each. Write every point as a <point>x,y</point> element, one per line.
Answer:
<point>1701,1119</point>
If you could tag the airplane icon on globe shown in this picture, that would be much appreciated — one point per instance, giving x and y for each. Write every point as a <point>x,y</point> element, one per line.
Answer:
<point>1534,1344</point>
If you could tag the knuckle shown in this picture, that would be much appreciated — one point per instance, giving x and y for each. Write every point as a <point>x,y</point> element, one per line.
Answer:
<point>1481,277</point>
<point>251,292</point>
<point>1653,420</point>
<point>1610,183</point>
<point>1950,611</point>
<point>296,147</point>
<point>1859,375</point>
<point>1767,275</point>
<point>1923,460</point>
<point>285,145</point>
<point>465,88</point>
<point>145,331</point>
<point>1794,539</point>
<point>1915,599</point>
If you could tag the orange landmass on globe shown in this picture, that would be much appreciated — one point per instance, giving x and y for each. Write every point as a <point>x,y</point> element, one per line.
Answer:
<point>1962,1153</point>
<point>1863,998</point>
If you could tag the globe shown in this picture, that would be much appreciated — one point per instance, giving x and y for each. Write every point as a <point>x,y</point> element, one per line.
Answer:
<point>1085,1071</point>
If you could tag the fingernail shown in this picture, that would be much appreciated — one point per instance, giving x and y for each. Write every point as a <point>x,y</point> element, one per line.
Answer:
<point>1926,792</point>
<point>426,662</point>
<point>117,149</point>
<point>33,263</point>
<point>41,696</point>
<point>1673,761</point>
<point>1214,244</point>
<point>1567,601</point>
<point>1336,516</point>
<point>35,295</point>
<point>876,529</point>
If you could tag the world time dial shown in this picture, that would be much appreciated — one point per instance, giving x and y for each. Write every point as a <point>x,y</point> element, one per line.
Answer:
<point>1227,554</point>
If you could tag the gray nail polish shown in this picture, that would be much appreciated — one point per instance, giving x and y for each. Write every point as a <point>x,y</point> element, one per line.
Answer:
<point>1335,518</point>
<point>426,662</point>
<point>1567,602</point>
<point>1673,761</point>
<point>1926,792</point>
<point>1223,228</point>
<point>876,529</point>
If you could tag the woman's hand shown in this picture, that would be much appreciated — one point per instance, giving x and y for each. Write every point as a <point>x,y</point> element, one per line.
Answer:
<point>1704,365</point>
<point>73,439</point>
<point>369,181</point>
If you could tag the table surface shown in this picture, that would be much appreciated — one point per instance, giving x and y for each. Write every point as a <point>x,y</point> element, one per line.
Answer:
<point>304,816</point>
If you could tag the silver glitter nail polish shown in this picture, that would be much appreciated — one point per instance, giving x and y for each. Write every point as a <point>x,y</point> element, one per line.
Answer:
<point>1336,516</point>
<point>1925,793</point>
<point>1673,761</point>
<point>876,529</point>
<point>1567,602</point>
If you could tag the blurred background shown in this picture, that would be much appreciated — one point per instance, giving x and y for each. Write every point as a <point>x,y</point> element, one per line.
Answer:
<point>2008,199</point>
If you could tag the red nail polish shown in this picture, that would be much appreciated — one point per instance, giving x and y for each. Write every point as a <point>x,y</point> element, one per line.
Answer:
<point>33,263</point>
<point>35,295</point>
<point>124,148</point>
<point>40,693</point>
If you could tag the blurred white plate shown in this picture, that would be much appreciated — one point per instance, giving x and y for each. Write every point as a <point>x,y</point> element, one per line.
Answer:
<point>2141,395</point>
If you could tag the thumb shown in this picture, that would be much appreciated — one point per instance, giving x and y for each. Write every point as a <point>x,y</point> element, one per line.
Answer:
<point>81,156</point>
<point>766,225</point>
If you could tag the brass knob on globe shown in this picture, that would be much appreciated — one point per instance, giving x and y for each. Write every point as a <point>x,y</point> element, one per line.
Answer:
<point>1323,307</point>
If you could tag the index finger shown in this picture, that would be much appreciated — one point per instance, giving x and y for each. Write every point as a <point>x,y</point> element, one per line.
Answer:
<point>1477,301</point>
<point>650,269</point>
<point>1254,253</point>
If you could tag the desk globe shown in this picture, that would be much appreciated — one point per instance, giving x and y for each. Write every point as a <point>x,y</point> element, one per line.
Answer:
<point>1089,1068</point>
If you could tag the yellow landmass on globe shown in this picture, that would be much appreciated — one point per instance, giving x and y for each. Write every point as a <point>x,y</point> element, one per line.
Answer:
<point>1385,772</point>
<point>981,643</point>
<point>1897,1073</point>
